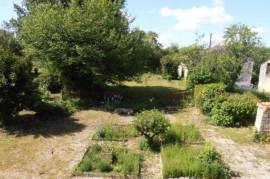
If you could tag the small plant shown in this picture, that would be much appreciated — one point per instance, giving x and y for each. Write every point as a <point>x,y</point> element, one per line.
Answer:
<point>151,124</point>
<point>112,101</point>
<point>144,146</point>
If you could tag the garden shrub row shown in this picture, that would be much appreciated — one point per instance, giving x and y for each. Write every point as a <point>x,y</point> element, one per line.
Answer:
<point>223,108</point>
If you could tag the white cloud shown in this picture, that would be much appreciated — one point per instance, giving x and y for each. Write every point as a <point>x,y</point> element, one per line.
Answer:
<point>166,39</point>
<point>191,19</point>
<point>259,30</point>
<point>218,2</point>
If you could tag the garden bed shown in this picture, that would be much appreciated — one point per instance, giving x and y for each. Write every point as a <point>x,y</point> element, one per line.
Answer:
<point>105,161</point>
<point>111,132</point>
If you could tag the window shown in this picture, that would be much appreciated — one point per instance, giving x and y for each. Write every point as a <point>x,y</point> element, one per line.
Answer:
<point>267,69</point>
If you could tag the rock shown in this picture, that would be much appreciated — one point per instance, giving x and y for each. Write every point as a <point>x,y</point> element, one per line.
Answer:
<point>124,111</point>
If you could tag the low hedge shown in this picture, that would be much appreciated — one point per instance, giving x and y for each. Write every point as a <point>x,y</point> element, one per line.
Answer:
<point>223,108</point>
<point>238,109</point>
<point>209,95</point>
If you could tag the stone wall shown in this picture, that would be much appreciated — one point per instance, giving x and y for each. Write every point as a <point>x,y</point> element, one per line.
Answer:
<point>262,123</point>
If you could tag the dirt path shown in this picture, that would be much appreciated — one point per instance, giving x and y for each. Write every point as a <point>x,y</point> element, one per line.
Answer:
<point>152,168</point>
<point>51,151</point>
<point>242,159</point>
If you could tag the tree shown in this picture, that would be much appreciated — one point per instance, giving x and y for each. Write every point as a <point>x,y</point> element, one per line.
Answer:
<point>90,44</point>
<point>241,40</point>
<point>16,78</point>
<point>153,50</point>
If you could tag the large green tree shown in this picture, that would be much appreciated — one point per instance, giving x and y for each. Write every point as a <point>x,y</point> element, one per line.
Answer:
<point>89,44</point>
<point>241,40</point>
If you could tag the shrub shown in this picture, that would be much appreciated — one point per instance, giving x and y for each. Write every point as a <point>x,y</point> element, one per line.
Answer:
<point>209,95</point>
<point>16,84</point>
<point>178,134</point>
<point>238,109</point>
<point>151,124</point>
<point>104,166</point>
<point>169,67</point>
<point>200,75</point>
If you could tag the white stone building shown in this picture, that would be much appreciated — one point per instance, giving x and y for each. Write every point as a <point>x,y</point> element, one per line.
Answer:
<point>264,78</point>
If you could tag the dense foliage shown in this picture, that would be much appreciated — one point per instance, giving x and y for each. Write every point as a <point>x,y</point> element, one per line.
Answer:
<point>208,96</point>
<point>223,108</point>
<point>16,78</point>
<point>236,110</point>
<point>89,51</point>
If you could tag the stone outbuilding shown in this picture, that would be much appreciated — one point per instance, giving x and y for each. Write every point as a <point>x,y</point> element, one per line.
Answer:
<point>264,78</point>
<point>182,71</point>
<point>262,123</point>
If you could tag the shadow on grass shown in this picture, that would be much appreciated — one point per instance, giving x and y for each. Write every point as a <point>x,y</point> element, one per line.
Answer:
<point>141,98</point>
<point>32,124</point>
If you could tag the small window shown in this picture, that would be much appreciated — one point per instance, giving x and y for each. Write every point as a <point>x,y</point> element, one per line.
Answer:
<point>268,69</point>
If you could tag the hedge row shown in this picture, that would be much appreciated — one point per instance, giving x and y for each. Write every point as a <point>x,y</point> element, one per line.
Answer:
<point>223,108</point>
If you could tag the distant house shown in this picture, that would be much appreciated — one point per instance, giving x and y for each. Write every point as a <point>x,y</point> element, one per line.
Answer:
<point>182,71</point>
<point>264,79</point>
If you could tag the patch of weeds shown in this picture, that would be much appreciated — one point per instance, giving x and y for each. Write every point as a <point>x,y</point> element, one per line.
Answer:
<point>260,137</point>
<point>113,132</point>
<point>178,134</point>
<point>110,160</point>
<point>192,161</point>
<point>126,162</point>
<point>144,146</point>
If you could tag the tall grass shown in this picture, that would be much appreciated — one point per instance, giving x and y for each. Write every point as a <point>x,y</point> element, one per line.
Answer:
<point>192,161</point>
<point>183,134</point>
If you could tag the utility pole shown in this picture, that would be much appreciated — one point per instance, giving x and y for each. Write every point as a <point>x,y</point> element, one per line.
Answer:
<point>210,41</point>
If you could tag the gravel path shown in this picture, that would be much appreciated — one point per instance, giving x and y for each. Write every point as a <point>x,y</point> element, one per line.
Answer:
<point>152,167</point>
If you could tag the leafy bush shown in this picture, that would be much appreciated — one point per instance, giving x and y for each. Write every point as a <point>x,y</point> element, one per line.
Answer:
<point>151,124</point>
<point>169,67</point>
<point>114,132</point>
<point>178,134</point>
<point>215,67</point>
<point>200,75</point>
<point>209,95</point>
<point>16,84</point>
<point>238,109</point>
<point>192,161</point>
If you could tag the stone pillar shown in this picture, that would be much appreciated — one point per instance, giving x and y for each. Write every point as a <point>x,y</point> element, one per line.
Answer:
<point>262,123</point>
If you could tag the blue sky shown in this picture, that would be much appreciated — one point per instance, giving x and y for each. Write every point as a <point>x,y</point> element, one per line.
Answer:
<point>178,21</point>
